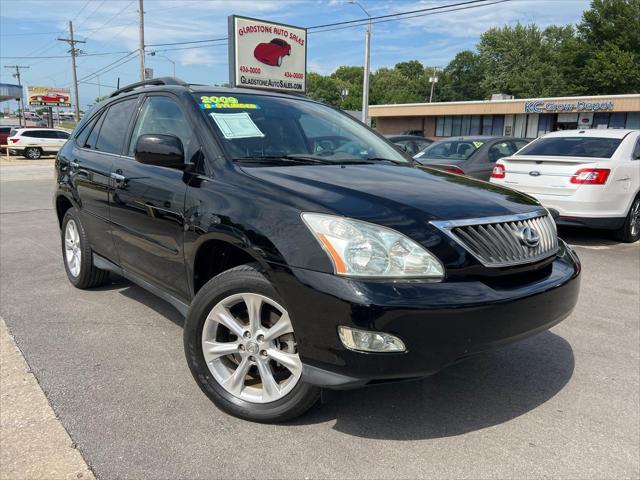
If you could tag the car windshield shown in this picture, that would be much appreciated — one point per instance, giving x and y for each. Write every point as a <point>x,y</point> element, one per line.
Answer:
<point>271,129</point>
<point>451,149</point>
<point>592,147</point>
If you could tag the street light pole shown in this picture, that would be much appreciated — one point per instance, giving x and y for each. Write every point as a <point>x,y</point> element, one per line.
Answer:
<point>156,54</point>
<point>17,75</point>
<point>365,79</point>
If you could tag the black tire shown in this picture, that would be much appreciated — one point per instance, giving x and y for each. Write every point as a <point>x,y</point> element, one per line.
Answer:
<point>32,153</point>
<point>630,231</point>
<point>242,279</point>
<point>89,275</point>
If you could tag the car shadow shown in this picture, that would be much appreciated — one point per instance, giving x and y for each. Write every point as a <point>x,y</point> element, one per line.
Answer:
<point>139,294</point>
<point>586,237</point>
<point>485,390</point>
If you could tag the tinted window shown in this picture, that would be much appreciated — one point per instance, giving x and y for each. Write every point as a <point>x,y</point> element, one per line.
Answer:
<point>161,115</point>
<point>5,129</point>
<point>114,126</point>
<point>592,147</point>
<point>81,138</point>
<point>62,135</point>
<point>499,150</point>
<point>93,136</point>
<point>31,133</point>
<point>454,150</point>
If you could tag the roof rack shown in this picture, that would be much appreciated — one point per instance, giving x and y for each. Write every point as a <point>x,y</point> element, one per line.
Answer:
<point>153,81</point>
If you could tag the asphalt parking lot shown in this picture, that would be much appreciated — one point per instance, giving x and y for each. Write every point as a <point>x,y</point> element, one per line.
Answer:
<point>563,404</point>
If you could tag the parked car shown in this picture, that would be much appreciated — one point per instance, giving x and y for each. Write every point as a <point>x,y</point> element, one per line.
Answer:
<point>271,53</point>
<point>299,270</point>
<point>472,156</point>
<point>34,142</point>
<point>592,177</point>
<point>412,144</point>
<point>4,134</point>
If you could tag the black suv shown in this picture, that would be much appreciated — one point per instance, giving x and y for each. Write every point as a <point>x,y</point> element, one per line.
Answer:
<point>299,266</point>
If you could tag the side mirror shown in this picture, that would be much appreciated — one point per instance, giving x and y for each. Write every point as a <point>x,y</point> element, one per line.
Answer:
<point>160,150</point>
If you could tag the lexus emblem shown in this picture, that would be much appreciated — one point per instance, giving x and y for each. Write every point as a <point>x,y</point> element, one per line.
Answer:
<point>528,237</point>
<point>534,173</point>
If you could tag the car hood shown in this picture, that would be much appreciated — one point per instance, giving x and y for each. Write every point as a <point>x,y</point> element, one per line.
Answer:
<point>391,195</point>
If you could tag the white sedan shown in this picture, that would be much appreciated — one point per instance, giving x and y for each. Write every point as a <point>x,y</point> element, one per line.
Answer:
<point>591,177</point>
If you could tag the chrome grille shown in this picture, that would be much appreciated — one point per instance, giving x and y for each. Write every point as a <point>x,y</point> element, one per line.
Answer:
<point>499,242</point>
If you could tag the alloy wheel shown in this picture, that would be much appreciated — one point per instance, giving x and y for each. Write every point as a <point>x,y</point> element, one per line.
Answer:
<point>33,153</point>
<point>249,347</point>
<point>72,250</point>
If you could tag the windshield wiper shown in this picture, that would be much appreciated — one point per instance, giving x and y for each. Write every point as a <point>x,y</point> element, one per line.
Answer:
<point>283,159</point>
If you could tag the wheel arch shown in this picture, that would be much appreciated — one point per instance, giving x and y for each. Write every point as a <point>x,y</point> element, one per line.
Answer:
<point>216,254</point>
<point>62,203</point>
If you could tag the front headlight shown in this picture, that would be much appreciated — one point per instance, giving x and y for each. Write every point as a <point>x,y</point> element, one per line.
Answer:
<point>363,249</point>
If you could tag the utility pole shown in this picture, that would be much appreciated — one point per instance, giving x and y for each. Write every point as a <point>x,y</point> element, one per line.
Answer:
<point>433,80</point>
<point>17,75</point>
<point>367,56</point>
<point>74,52</point>
<point>141,46</point>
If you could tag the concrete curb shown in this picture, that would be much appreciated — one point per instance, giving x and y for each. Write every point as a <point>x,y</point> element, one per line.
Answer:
<point>33,442</point>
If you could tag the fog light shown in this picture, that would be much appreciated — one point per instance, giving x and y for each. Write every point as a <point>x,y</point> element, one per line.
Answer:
<point>367,341</point>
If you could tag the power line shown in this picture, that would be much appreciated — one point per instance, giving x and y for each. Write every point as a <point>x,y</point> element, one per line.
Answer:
<point>102,70</point>
<point>184,43</point>
<point>412,16</point>
<point>79,54</point>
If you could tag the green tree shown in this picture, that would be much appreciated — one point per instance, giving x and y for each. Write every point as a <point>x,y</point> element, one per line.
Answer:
<point>462,78</point>
<point>323,88</point>
<point>412,69</point>
<point>610,41</point>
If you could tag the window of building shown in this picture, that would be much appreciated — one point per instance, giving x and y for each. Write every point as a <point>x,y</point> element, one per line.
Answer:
<point>487,124</point>
<point>456,126</point>
<point>476,125</point>
<point>532,126</point>
<point>448,124</point>
<point>633,120</point>
<point>600,120</point>
<point>545,123</point>
<point>440,126</point>
<point>466,125</point>
<point>498,125</point>
<point>617,120</point>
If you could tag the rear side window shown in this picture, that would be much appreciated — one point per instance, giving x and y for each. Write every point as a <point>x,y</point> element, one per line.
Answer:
<point>591,147</point>
<point>114,126</point>
<point>5,129</point>
<point>81,139</point>
<point>62,135</point>
<point>93,136</point>
<point>31,133</point>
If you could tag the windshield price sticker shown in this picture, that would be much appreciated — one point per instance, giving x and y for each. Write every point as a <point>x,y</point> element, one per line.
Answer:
<point>478,144</point>
<point>236,125</point>
<point>222,102</point>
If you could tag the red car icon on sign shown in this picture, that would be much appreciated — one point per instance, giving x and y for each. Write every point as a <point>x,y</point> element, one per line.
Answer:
<point>271,53</point>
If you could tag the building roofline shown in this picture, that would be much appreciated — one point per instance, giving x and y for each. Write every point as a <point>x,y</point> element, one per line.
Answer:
<point>509,100</point>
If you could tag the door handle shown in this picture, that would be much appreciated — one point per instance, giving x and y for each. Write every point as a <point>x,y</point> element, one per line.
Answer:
<point>117,177</point>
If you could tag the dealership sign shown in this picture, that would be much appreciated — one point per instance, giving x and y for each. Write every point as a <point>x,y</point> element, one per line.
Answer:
<point>539,106</point>
<point>49,96</point>
<point>267,55</point>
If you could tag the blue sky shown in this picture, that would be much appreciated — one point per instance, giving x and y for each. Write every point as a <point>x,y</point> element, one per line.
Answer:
<point>30,28</point>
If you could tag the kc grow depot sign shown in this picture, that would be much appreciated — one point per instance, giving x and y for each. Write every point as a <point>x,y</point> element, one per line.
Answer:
<point>539,106</point>
<point>267,55</point>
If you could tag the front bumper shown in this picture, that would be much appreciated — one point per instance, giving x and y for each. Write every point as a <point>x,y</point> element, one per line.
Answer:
<point>440,323</point>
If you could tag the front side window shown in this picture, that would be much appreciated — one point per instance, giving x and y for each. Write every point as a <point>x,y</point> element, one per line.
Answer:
<point>591,147</point>
<point>269,129</point>
<point>161,115</point>
<point>114,126</point>
<point>451,149</point>
<point>31,133</point>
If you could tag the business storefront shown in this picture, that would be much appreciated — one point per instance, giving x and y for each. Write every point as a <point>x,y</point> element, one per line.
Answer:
<point>527,118</point>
